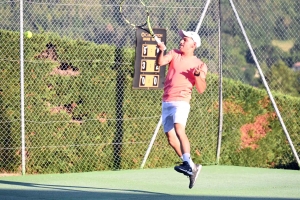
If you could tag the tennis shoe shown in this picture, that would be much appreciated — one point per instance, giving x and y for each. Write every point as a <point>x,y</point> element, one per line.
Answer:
<point>184,168</point>
<point>193,178</point>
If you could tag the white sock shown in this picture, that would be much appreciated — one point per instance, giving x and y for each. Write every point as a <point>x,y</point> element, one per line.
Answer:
<point>187,157</point>
<point>181,157</point>
<point>192,164</point>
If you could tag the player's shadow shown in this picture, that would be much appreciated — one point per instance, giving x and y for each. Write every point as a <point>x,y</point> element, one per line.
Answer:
<point>23,190</point>
<point>68,188</point>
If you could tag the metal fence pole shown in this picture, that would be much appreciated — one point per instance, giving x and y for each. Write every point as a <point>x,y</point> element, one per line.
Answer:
<point>22,87</point>
<point>151,142</point>
<point>202,16</point>
<point>220,91</point>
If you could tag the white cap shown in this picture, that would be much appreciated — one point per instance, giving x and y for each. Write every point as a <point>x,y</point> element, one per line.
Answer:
<point>192,35</point>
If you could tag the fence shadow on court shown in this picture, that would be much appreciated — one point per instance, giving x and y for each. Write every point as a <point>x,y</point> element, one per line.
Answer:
<point>49,191</point>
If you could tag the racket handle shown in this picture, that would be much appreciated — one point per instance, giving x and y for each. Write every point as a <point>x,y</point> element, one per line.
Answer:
<point>158,40</point>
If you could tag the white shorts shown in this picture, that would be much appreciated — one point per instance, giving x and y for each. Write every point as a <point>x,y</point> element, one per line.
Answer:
<point>174,112</point>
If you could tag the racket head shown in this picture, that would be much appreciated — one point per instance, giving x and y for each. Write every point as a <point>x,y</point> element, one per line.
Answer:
<point>135,13</point>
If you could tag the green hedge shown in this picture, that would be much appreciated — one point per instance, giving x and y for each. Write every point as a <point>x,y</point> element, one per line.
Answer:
<point>9,102</point>
<point>62,134</point>
<point>243,105</point>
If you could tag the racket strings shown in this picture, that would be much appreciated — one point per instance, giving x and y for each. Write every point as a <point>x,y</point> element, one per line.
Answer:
<point>134,12</point>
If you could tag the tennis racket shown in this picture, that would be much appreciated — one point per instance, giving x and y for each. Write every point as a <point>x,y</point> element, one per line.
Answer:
<point>136,14</point>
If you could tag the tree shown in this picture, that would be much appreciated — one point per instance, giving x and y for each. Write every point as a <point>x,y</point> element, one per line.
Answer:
<point>283,79</point>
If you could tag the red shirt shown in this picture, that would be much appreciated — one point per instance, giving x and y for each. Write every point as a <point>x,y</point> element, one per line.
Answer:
<point>180,78</point>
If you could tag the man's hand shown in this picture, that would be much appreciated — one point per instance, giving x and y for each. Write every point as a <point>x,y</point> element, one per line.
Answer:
<point>197,71</point>
<point>161,46</point>
<point>200,70</point>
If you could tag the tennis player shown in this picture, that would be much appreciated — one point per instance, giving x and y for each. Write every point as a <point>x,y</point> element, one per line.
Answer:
<point>185,71</point>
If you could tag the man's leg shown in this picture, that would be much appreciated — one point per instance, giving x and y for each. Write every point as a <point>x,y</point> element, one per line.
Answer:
<point>187,166</point>
<point>174,120</point>
<point>182,137</point>
<point>185,146</point>
<point>174,142</point>
<point>179,141</point>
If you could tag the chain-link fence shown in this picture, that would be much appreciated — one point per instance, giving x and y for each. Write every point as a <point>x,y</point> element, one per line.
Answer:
<point>80,111</point>
<point>272,28</point>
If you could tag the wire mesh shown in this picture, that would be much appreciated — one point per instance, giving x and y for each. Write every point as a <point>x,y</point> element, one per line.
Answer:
<point>272,32</point>
<point>81,113</point>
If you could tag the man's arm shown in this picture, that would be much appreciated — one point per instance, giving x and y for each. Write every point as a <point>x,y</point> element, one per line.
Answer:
<point>200,75</point>
<point>162,59</point>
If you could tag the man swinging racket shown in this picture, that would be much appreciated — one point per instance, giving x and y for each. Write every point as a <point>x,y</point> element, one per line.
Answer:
<point>185,71</point>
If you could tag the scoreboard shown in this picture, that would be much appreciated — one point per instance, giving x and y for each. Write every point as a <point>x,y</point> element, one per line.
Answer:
<point>148,75</point>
